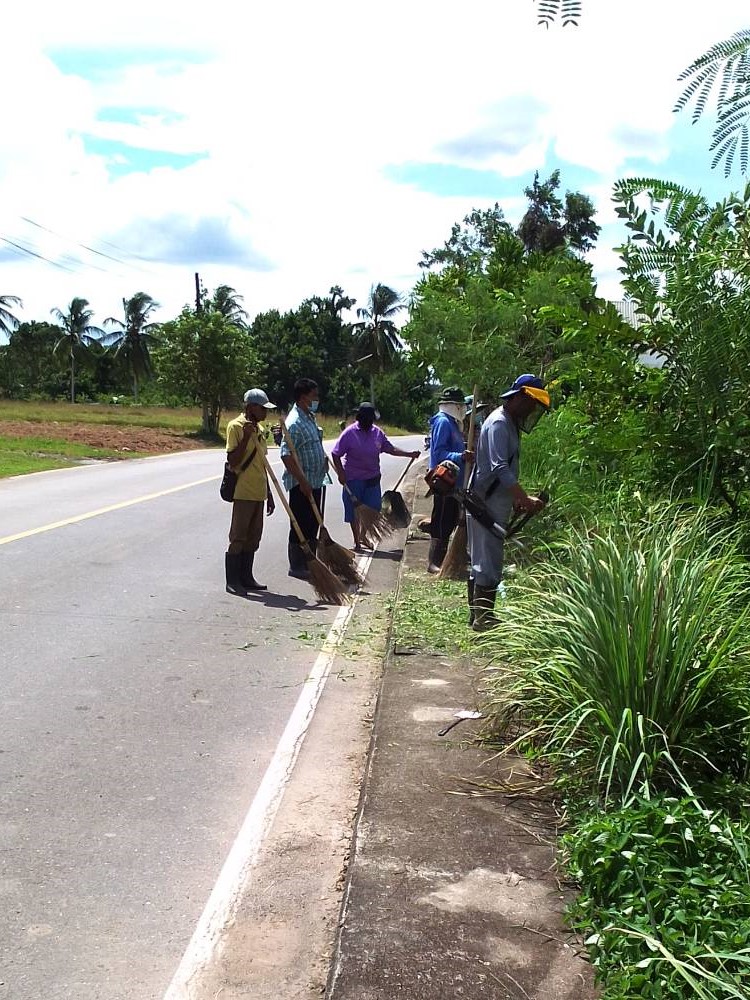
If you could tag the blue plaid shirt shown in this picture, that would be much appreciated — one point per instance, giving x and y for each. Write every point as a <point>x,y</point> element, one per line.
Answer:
<point>307,439</point>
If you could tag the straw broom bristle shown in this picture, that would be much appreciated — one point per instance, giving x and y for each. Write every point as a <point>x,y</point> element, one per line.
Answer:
<point>373,524</point>
<point>329,588</point>
<point>397,513</point>
<point>454,564</point>
<point>338,559</point>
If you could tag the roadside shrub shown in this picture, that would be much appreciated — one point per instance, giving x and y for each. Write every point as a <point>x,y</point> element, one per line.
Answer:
<point>626,660</point>
<point>665,900</point>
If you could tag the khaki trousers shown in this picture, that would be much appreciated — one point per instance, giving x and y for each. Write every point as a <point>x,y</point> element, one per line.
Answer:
<point>247,526</point>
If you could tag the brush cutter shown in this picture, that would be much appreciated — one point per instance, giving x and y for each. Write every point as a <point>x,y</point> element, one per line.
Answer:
<point>480,512</point>
<point>397,513</point>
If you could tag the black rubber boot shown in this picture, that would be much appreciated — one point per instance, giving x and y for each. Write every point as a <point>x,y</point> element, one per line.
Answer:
<point>470,596</point>
<point>297,562</point>
<point>438,548</point>
<point>233,570</point>
<point>484,607</point>
<point>248,580</point>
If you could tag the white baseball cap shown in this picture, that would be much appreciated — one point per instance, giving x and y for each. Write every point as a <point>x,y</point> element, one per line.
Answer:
<point>258,398</point>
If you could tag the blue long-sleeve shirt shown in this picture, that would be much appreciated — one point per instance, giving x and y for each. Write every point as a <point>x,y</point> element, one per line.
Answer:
<point>446,441</point>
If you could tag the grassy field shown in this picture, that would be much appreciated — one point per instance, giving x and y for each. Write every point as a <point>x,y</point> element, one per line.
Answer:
<point>35,436</point>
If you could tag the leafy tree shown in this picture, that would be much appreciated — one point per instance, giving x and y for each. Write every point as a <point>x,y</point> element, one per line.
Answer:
<point>29,350</point>
<point>376,333</point>
<point>134,336</point>
<point>206,359</point>
<point>549,223</point>
<point>685,268</point>
<point>8,321</point>
<point>78,333</point>
<point>227,302</point>
<point>471,242</point>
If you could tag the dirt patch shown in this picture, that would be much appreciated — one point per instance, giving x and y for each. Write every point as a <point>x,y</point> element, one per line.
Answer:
<point>145,440</point>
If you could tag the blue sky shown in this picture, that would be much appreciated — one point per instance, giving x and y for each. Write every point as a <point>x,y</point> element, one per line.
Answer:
<point>253,145</point>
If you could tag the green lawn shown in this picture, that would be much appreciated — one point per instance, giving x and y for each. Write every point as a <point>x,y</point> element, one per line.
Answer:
<point>19,455</point>
<point>185,419</point>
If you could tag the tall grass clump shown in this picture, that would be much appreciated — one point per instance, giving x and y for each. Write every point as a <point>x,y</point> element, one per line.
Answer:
<point>626,659</point>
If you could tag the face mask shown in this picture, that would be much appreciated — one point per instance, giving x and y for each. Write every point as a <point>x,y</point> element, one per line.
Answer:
<point>528,423</point>
<point>314,406</point>
<point>455,410</point>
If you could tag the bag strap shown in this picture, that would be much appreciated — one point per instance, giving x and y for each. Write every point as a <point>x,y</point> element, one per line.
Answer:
<point>247,461</point>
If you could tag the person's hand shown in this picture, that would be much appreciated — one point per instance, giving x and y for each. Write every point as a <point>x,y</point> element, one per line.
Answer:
<point>468,456</point>
<point>415,454</point>
<point>530,505</point>
<point>341,478</point>
<point>270,505</point>
<point>247,430</point>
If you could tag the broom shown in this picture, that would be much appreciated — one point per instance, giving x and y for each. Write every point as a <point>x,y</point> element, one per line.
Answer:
<point>397,514</point>
<point>372,524</point>
<point>454,563</point>
<point>338,559</point>
<point>329,588</point>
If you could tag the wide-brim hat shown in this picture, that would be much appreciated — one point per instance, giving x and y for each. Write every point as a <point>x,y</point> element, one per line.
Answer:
<point>368,407</point>
<point>530,385</point>
<point>257,397</point>
<point>452,395</point>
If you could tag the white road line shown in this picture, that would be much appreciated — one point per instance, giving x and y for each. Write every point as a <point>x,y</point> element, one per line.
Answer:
<point>236,873</point>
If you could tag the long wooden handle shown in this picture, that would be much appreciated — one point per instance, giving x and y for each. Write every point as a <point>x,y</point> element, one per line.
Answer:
<point>472,432</point>
<point>285,504</point>
<point>295,456</point>
<point>401,477</point>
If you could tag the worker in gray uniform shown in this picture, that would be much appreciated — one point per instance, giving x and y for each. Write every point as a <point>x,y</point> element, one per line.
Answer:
<point>494,481</point>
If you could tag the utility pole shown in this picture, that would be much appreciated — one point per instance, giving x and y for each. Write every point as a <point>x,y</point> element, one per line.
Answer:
<point>197,292</point>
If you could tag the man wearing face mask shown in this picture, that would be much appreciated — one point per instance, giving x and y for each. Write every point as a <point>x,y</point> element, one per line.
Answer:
<point>495,480</point>
<point>305,474</point>
<point>446,444</point>
<point>356,458</point>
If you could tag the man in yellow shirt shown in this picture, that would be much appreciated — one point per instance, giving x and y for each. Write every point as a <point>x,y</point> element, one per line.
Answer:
<point>246,451</point>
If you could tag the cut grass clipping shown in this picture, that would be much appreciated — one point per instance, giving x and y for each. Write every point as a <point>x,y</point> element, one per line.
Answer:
<point>431,615</point>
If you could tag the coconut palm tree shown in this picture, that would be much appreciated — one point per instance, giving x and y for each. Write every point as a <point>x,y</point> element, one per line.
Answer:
<point>8,322</point>
<point>226,301</point>
<point>134,336</point>
<point>376,334</point>
<point>78,332</point>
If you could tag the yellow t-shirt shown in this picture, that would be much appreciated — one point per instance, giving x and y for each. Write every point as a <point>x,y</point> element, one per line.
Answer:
<point>251,484</point>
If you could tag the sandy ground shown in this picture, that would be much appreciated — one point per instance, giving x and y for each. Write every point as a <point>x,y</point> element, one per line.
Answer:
<point>125,439</point>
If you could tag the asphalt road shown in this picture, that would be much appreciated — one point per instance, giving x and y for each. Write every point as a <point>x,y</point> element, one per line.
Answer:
<point>140,707</point>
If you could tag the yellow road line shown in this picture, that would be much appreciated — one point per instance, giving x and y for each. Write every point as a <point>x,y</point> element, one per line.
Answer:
<point>104,510</point>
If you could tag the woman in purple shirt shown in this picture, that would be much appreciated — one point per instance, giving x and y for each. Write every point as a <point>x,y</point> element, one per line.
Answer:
<point>356,458</point>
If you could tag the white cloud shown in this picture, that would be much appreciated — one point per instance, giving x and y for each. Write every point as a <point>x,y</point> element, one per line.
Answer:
<point>300,107</point>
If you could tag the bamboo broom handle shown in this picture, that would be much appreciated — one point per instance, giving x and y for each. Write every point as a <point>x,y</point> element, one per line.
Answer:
<point>285,505</point>
<point>295,456</point>
<point>472,433</point>
<point>401,477</point>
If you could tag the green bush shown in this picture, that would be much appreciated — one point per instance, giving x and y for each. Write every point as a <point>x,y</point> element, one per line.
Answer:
<point>627,662</point>
<point>665,900</point>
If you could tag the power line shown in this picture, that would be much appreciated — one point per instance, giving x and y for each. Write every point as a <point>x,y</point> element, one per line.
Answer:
<point>33,253</point>
<point>68,239</point>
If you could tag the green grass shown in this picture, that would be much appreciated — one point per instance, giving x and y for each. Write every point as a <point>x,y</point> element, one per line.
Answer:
<point>186,419</point>
<point>431,614</point>
<point>19,455</point>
